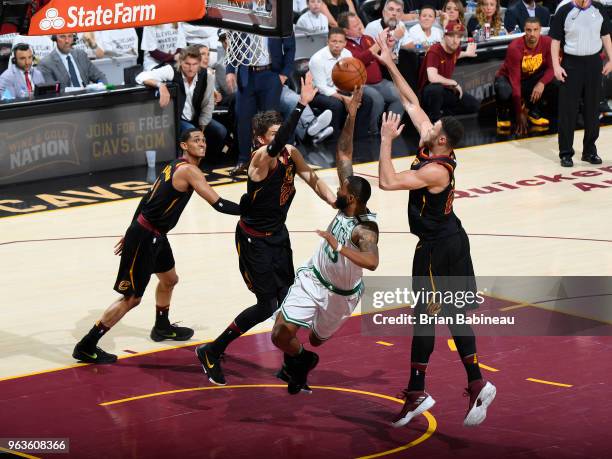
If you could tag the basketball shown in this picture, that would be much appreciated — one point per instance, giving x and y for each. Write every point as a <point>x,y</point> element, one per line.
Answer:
<point>348,73</point>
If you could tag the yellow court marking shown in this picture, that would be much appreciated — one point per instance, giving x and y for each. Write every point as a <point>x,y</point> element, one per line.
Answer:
<point>451,345</point>
<point>552,383</point>
<point>486,367</point>
<point>384,343</point>
<point>432,424</point>
<point>16,453</point>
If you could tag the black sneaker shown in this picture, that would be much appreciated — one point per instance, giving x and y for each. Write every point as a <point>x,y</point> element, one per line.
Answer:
<point>297,368</point>
<point>211,364</point>
<point>284,376</point>
<point>83,354</point>
<point>593,159</point>
<point>171,332</point>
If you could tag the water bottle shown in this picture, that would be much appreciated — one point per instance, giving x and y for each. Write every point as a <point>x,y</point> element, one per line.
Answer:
<point>516,30</point>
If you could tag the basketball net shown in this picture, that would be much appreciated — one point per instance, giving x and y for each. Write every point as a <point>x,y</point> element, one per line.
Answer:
<point>243,48</point>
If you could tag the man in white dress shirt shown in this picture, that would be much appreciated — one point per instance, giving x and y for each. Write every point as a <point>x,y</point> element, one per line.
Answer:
<point>329,97</point>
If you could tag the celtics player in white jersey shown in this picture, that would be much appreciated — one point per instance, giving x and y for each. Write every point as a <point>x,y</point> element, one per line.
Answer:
<point>328,287</point>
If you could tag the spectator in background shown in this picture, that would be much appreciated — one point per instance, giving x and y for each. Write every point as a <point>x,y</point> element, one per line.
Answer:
<point>487,12</point>
<point>517,14</point>
<point>20,79</point>
<point>112,43</point>
<point>258,88</point>
<point>452,10</point>
<point>70,67</point>
<point>162,44</point>
<point>363,47</point>
<point>334,8</point>
<point>525,74</point>
<point>227,97</point>
<point>41,45</point>
<point>583,27</point>
<point>299,6</point>
<point>194,96</point>
<point>440,93</point>
<point>313,20</point>
<point>424,33</point>
<point>391,18</point>
<point>328,97</point>
<point>202,35</point>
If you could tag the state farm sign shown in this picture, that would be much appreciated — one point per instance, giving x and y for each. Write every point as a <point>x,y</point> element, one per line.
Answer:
<point>64,16</point>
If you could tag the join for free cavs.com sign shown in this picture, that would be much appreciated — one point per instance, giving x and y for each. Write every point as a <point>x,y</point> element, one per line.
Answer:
<point>66,16</point>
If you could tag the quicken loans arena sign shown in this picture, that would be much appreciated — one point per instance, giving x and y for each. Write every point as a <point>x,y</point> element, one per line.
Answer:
<point>65,16</point>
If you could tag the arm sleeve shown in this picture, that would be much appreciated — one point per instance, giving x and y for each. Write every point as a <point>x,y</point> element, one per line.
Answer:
<point>160,56</point>
<point>285,131</point>
<point>605,25</point>
<point>288,49</point>
<point>95,74</point>
<point>164,73</point>
<point>549,73</point>
<point>226,207</point>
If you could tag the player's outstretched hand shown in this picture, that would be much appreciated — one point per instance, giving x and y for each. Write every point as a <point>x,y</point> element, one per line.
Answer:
<point>385,57</point>
<point>391,127</point>
<point>331,240</point>
<point>119,246</point>
<point>352,103</point>
<point>308,90</point>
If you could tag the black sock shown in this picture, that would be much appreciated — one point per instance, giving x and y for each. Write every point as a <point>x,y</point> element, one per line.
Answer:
<point>90,340</point>
<point>417,376</point>
<point>161,316</point>
<point>219,345</point>
<point>470,362</point>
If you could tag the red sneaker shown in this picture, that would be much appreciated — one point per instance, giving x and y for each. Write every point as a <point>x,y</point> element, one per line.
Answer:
<point>481,393</point>
<point>416,402</point>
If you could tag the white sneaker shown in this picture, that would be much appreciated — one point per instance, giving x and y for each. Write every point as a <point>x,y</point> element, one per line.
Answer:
<point>416,402</point>
<point>320,123</point>
<point>324,134</point>
<point>481,396</point>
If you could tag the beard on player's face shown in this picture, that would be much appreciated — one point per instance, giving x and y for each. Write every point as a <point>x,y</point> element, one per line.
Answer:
<point>341,202</point>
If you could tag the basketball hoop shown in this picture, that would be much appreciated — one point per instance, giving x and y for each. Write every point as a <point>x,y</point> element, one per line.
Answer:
<point>243,48</point>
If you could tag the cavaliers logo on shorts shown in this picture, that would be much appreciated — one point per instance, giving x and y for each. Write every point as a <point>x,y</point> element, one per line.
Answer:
<point>124,285</point>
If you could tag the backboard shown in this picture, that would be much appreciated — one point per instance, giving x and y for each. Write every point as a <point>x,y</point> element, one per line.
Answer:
<point>272,18</point>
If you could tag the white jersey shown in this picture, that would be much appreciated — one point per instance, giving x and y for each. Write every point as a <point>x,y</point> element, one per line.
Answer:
<point>334,268</point>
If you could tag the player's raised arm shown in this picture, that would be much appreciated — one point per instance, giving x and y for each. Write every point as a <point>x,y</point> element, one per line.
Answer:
<point>344,151</point>
<point>311,177</point>
<point>388,178</point>
<point>261,160</point>
<point>192,176</point>
<point>410,101</point>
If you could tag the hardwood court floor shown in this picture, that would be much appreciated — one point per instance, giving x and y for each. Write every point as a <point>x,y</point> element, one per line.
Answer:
<point>525,215</point>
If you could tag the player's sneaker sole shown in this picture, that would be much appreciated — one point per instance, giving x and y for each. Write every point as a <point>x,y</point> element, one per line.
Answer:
<point>423,406</point>
<point>478,413</point>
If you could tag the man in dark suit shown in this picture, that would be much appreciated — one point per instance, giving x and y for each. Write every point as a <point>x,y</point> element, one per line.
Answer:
<point>70,67</point>
<point>258,88</point>
<point>517,14</point>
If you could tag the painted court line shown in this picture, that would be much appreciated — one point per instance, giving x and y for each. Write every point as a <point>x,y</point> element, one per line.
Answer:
<point>552,383</point>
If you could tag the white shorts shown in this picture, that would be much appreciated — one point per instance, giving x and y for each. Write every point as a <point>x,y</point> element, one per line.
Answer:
<point>310,304</point>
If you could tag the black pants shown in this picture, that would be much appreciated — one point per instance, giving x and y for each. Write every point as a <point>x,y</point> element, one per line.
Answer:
<point>583,80</point>
<point>436,99</point>
<point>362,120</point>
<point>503,92</point>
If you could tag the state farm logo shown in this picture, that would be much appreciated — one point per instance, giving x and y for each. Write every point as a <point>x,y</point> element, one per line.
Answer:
<point>79,16</point>
<point>52,20</point>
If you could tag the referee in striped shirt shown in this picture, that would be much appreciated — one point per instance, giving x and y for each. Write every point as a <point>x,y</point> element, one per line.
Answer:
<point>582,27</point>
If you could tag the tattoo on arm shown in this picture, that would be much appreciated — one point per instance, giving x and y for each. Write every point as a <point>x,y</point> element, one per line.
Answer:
<point>344,155</point>
<point>367,239</point>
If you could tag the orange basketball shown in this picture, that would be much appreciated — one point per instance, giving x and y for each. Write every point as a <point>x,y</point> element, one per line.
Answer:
<point>348,73</point>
